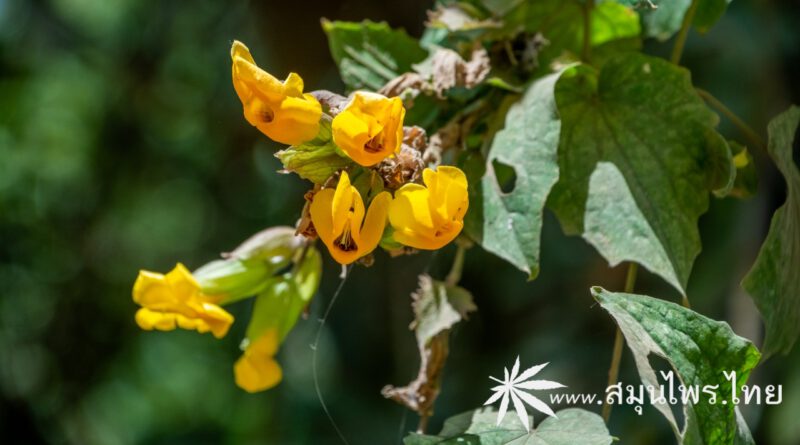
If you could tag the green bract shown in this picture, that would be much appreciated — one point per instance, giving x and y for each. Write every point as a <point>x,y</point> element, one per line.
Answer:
<point>315,160</point>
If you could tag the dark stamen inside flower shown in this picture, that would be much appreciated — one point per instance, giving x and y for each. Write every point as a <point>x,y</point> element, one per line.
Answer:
<point>374,145</point>
<point>345,242</point>
<point>267,115</point>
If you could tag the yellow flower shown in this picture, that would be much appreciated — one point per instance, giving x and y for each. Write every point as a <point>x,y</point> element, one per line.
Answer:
<point>256,370</point>
<point>280,110</point>
<point>175,300</point>
<point>429,217</point>
<point>338,217</point>
<point>370,127</point>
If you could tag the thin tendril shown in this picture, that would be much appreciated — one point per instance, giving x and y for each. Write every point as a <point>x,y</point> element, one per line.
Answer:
<point>314,347</point>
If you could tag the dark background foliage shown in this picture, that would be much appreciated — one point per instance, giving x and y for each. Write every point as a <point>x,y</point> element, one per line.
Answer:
<point>122,146</point>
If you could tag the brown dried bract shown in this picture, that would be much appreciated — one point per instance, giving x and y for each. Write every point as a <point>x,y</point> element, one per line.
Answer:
<point>450,70</point>
<point>403,168</point>
<point>305,226</point>
<point>407,165</point>
<point>330,101</point>
<point>447,70</point>
<point>444,139</point>
<point>410,81</point>
<point>415,137</point>
<point>404,250</point>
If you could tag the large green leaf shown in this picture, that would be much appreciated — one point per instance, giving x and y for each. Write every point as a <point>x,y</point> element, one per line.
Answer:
<point>638,155</point>
<point>774,280</point>
<point>370,54</point>
<point>666,19</point>
<point>699,349</point>
<point>479,427</point>
<point>509,224</point>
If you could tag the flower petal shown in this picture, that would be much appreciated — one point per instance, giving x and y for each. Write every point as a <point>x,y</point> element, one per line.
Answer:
<point>372,230</point>
<point>256,370</point>
<point>369,128</point>
<point>343,200</point>
<point>321,215</point>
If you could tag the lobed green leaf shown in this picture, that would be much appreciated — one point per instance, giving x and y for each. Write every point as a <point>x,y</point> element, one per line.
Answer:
<point>699,349</point>
<point>774,280</point>
<point>509,224</point>
<point>638,155</point>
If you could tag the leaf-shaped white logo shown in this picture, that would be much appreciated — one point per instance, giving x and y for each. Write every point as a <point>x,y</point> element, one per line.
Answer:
<point>513,387</point>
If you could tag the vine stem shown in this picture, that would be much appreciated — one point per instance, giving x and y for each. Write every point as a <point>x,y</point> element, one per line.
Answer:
<point>587,30</point>
<point>680,41</point>
<point>619,341</point>
<point>454,276</point>
<point>746,130</point>
<point>423,424</point>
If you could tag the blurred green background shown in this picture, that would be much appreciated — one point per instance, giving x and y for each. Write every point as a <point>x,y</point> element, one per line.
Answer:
<point>123,146</point>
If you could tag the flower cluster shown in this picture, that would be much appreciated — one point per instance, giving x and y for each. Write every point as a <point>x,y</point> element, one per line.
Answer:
<point>368,129</point>
<point>372,188</point>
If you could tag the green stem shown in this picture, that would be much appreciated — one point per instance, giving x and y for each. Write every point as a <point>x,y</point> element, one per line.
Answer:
<point>746,130</point>
<point>587,30</point>
<point>680,41</point>
<point>630,278</point>
<point>454,276</point>
<point>619,341</point>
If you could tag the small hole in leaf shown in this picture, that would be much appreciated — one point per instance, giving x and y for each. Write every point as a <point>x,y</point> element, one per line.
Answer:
<point>506,176</point>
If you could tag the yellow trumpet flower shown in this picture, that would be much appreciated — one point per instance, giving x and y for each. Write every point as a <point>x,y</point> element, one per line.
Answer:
<point>338,217</point>
<point>370,127</point>
<point>175,300</point>
<point>428,217</point>
<point>256,370</point>
<point>279,110</point>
